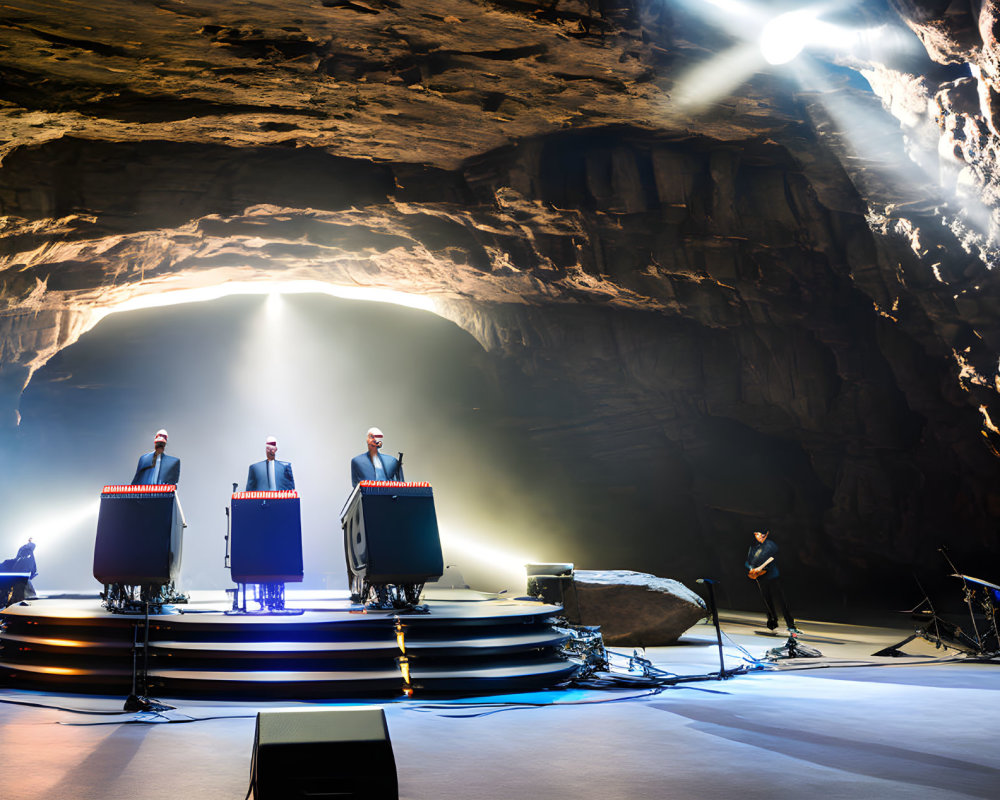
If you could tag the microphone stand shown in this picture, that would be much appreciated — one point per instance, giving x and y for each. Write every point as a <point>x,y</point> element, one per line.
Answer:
<point>135,701</point>
<point>968,597</point>
<point>715,619</point>
<point>226,562</point>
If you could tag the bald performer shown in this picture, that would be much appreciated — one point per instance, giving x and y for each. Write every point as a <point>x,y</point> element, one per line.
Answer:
<point>157,466</point>
<point>270,474</point>
<point>373,465</point>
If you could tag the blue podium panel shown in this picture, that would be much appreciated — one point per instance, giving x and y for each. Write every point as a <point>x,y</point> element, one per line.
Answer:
<point>391,533</point>
<point>139,535</point>
<point>267,537</point>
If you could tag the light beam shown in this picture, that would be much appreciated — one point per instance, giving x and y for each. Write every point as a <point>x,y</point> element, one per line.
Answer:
<point>510,565</point>
<point>53,528</point>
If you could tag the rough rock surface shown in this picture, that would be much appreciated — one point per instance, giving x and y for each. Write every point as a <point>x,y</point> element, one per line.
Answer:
<point>773,295</point>
<point>635,609</point>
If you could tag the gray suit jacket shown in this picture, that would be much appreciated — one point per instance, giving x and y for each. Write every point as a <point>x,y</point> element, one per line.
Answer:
<point>257,476</point>
<point>170,469</point>
<point>362,469</point>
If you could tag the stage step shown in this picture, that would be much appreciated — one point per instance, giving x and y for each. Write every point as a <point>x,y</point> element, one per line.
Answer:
<point>468,644</point>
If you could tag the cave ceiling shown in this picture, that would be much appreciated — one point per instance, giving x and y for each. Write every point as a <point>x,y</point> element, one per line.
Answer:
<point>615,190</point>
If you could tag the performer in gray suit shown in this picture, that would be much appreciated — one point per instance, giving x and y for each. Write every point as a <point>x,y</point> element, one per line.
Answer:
<point>157,466</point>
<point>270,474</point>
<point>373,465</point>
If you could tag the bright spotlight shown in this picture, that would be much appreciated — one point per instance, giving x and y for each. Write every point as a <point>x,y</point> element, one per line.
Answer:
<point>501,560</point>
<point>785,36</point>
<point>51,529</point>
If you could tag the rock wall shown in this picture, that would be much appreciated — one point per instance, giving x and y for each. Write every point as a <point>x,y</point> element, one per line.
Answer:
<point>772,316</point>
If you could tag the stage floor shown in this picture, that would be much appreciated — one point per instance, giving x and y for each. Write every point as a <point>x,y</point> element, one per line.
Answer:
<point>845,726</point>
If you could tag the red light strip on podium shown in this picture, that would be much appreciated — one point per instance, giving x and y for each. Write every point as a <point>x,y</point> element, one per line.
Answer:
<point>396,484</point>
<point>139,488</point>
<point>284,494</point>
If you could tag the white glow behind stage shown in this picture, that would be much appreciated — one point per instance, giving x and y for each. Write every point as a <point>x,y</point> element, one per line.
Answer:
<point>314,371</point>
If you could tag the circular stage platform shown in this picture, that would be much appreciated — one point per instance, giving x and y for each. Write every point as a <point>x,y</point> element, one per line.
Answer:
<point>464,642</point>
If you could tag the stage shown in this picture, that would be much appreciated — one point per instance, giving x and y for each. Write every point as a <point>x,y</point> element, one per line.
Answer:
<point>456,640</point>
<point>848,726</point>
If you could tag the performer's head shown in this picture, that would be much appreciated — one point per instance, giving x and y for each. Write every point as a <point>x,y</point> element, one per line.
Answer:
<point>270,447</point>
<point>760,536</point>
<point>160,441</point>
<point>374,439</point>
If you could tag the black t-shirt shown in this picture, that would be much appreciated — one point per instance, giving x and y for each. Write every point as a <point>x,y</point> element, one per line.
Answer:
<point>759,553</point>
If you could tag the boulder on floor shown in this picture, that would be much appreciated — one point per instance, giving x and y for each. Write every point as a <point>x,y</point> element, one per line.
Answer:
<point>633,608</point>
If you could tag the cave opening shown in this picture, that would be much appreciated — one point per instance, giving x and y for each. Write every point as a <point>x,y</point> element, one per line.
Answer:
<point>315,371</point>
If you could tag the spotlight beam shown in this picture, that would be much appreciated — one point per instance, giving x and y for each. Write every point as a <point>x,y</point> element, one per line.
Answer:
<point>502,559</point>
<point>718,77</point>
<point>53,528</point>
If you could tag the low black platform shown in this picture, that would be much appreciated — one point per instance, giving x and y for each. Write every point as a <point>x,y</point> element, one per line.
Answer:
<point>467,642</point>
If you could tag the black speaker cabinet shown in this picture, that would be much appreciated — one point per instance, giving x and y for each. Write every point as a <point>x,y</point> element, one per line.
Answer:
<point>138,537</point>
<point>323,752</point>
<point>391,533</point>
<point>266,538</point>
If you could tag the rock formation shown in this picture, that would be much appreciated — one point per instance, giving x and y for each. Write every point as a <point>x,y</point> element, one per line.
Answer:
<point>634,609</point>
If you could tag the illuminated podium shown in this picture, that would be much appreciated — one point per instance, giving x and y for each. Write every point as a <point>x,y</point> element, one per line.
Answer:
<point>139,535</point>
<point>391,539</point>
<point>266,538</point>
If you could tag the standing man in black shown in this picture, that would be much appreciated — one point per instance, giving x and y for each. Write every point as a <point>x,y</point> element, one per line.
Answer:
<point>762,566</point>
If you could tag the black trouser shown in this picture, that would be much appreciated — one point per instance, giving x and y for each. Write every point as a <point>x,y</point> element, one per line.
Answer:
<point>768,589</point>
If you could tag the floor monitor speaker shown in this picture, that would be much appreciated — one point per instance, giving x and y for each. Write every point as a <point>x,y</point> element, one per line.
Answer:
<point>340,752</point>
